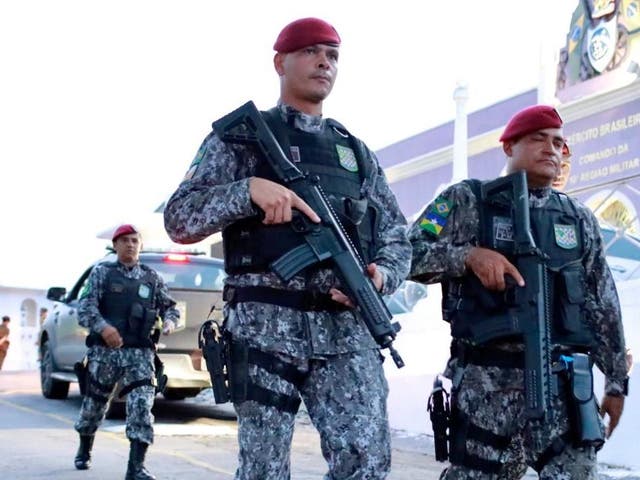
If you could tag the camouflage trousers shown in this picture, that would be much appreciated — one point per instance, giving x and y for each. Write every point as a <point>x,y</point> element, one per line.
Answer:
<point>345,396</point>
<point>108,367</point>
<point>492,398</point>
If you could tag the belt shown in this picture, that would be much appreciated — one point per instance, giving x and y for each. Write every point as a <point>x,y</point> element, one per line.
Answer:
<point>305,300</point>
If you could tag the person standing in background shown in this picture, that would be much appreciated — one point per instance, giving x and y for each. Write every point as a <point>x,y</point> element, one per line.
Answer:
<point>4,338</point>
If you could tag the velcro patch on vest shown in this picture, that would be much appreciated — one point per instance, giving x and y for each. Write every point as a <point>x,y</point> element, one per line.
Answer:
<point>144,291</point>
<point>566,236</point>
<point>435,218</point>
<point>347,158</point>
<point>295,153</point>
<point>502,229</point>
<point>117,287</point>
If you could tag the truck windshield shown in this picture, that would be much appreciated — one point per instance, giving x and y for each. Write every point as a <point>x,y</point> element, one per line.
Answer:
<point>191,275</point>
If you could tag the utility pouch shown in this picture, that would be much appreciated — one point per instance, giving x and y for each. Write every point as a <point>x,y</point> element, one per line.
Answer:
<point>149,319</point>
<point>212,342</point>
<point>440,414</point>
<point>587,427</point>
<point>569,307</point>
<point>136,317</point>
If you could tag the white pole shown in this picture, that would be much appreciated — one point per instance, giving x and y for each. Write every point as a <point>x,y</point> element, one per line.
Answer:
<point>460,170</point>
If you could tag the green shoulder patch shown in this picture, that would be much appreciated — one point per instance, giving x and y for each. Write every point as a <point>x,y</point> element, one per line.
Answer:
<point>435,217</point>
<point>86,288</point>
<point>195,163</point>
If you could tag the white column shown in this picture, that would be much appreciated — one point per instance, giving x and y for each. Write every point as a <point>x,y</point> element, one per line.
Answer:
<point>460,170</point>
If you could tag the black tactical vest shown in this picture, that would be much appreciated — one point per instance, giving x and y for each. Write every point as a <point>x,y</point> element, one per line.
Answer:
<point>124,303</point>
<point>558,233</point>
<point>341,163</point>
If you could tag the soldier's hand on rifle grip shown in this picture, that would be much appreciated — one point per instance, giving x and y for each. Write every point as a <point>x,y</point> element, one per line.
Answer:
<point>612,406</point>
<point>277,201</point>
<point>492,268</point>
<point>111,336</point>
<point>376,277</point>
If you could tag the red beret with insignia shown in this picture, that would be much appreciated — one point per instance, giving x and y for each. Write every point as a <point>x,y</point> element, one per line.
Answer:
<point>531,119</point>
<point>125,229</point>
<point>304,32</point>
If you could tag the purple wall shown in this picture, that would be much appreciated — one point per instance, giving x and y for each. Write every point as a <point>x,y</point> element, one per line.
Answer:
<point>605,149</point>
<point>482,121</point>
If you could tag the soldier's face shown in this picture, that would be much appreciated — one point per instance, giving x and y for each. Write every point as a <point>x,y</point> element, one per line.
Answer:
<point>308,74</point>
<point>561,180</point>
<point>128,248</point>
<point>539,154</point>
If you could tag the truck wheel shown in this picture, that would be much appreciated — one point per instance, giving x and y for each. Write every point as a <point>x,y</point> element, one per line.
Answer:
<point>51,388</point>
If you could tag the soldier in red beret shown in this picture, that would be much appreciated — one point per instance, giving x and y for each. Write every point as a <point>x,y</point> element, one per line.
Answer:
<point>303,338</point>
<point>120,305</point>
<point>465,240</point>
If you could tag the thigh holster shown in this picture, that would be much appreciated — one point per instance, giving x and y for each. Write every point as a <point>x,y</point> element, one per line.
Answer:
<point>243,388</point>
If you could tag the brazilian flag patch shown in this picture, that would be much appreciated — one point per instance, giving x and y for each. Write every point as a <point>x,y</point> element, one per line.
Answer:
<point>435,218</point>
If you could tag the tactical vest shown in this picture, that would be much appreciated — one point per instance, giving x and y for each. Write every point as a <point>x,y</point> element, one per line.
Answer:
<point>341,164</point>
<point>124,303</point>
<point>558,232</point>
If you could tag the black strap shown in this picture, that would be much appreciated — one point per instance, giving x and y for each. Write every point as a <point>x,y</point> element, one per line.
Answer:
<point>305,300</point>
<point>284,403</point>
<point>136,384</point>
<point>488,357</point>
<point>98,391</point>
<point>482,464</point>
<point>487,437</point>
<point>556,448</point>
<point>275,366</point>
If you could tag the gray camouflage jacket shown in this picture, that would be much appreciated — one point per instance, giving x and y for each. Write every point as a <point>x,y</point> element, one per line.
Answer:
<point>89,311</point>
<point>438,258</point>
<point>215,193</point>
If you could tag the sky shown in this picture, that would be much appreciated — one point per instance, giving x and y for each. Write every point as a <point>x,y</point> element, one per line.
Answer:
<point>103,105</point>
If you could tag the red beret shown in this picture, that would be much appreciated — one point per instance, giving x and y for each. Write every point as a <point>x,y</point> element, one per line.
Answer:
<point>304,32</point>
<point>123,230</point>
<point>531,119</point>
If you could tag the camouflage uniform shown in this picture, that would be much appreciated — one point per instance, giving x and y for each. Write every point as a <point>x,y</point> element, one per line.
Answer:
<point>108,366</point>
<point>344,388</point>
<point>492,397</point>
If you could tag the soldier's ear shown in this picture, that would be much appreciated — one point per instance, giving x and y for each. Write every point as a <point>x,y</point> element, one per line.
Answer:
<point>507,148</point>
<point>278,60</point>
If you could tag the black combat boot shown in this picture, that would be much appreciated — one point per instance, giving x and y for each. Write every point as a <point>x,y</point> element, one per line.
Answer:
<point>83,457</point>
<point>136,469</point>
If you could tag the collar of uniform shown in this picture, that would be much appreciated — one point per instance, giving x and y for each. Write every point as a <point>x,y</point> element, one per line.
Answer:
<point>127,269</point>
<point>539,196</point>
<point>301,121</point>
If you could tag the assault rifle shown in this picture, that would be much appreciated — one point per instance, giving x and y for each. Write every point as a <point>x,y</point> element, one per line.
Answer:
<point>323,241</point>
<point>529,314</point>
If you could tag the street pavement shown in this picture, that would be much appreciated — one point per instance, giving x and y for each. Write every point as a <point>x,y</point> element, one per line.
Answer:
<point>193,440</point>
